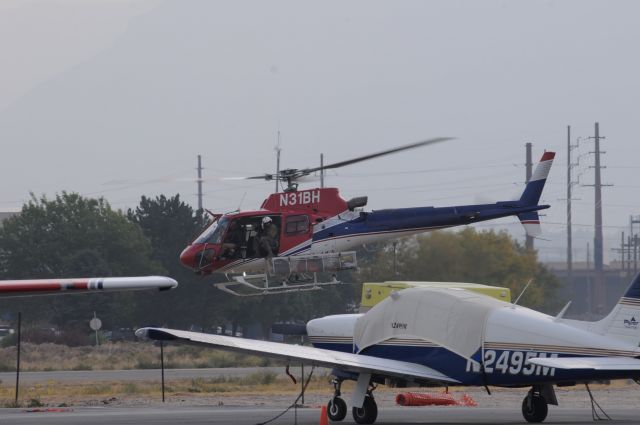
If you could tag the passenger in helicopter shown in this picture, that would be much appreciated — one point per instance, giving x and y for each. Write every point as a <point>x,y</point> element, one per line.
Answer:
<point>232,240</point>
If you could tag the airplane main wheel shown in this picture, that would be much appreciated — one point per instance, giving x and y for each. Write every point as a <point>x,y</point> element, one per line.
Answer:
<point>534,408</point>
<point>366,414</point>
<point>336,409</point>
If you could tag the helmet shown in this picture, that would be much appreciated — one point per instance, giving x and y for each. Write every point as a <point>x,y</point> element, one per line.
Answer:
<point>266,220</point>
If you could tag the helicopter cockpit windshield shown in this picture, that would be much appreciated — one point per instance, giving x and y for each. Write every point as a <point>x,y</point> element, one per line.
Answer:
<point>214,233</point>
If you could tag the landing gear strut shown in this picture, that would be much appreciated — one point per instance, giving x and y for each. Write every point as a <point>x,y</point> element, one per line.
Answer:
<point>368,413</point>
<point>534,406</point>
<point>336,408</point>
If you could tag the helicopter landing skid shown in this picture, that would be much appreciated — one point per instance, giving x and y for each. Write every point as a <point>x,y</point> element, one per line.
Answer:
<point>256,285</point>
<point>292,274</point>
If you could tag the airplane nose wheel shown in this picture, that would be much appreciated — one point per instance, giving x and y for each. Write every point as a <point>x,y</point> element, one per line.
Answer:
<point>534,406</point>
<point>368,413</point>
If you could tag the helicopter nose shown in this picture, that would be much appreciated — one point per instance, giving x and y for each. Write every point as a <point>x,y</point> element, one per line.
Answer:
<point>188,257</point>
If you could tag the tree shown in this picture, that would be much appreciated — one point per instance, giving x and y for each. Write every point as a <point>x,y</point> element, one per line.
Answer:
<point>74,236</point>
<point>171,225</point>
<point>487,257</point>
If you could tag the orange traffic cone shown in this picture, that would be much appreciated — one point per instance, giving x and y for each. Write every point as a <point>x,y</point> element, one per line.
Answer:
<point>324,419</point>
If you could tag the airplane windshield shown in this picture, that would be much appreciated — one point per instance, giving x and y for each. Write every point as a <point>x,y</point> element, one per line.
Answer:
<point>215,232</point>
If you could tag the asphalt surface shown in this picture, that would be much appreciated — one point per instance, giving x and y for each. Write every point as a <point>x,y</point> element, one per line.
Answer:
<point>133,375</point>
<point>308,416</point>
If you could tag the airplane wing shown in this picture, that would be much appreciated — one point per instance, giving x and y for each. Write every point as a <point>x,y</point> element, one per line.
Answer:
<point>22,288</point>
<point>298,353</point>
<point>591,363</point>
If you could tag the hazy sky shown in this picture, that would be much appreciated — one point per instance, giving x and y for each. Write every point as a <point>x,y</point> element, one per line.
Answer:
<point>116,99</point>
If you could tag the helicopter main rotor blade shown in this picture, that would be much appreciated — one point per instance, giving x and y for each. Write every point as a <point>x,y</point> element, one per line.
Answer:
<point>376,155</point>
<point>262,177</point>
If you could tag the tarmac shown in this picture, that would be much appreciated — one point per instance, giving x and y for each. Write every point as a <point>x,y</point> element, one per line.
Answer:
<point>224,415</point>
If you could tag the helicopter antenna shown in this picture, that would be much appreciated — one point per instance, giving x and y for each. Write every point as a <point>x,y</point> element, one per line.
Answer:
<point>241,201</point>
<point>278,149</point>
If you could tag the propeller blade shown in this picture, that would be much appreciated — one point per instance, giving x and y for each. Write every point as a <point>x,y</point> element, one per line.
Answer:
<point>376,155</point>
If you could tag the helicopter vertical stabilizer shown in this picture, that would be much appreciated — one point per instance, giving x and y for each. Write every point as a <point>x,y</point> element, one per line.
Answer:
<point>531,223</point>
<point>533,189</point>
<point>531,195</point>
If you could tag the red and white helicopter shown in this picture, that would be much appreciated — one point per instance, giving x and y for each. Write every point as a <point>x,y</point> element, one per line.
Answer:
<point>298,233</point>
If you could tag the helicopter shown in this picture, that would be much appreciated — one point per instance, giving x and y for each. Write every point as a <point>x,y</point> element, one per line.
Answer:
<point>297,235</point>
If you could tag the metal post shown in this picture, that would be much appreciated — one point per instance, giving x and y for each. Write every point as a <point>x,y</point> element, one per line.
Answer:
<point>199,182</point>
<point>302,383</point>
<point>162,366</point>
<point>634,220</point>
<point>629,256</point>
<point>622,266</point>
<point>528,168</point>
<point>569,232</point>
<point>18,358</point>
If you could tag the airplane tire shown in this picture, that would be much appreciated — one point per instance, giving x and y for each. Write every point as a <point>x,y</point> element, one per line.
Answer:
<point>336,409</point>
<point>537,410</point>
<point>368,413</point>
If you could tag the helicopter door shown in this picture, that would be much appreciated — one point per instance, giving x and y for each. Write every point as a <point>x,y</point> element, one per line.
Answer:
<point>265,241</point>
<point>233,244</point>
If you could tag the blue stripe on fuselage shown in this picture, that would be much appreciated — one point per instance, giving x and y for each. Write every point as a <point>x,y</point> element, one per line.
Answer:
<point>407,219</point>
<point>502,367</point>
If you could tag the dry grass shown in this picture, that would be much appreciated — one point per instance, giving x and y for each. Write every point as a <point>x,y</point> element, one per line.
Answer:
<point>55,393</point>
<point>120,355</point>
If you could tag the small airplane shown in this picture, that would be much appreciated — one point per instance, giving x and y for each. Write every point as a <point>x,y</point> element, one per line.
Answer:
<point>449,337</point>
<point>23,288</point>
<point>317,227</point>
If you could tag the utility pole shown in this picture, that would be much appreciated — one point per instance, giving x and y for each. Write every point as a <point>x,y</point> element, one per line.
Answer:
<point>528,167</point>
<point>570,184</point>
<point>600,293</point>
<point>588,274</point>
<point>278,163</point>
<point>199,182</point>
<point>569,242</point>
<point>321,170</point>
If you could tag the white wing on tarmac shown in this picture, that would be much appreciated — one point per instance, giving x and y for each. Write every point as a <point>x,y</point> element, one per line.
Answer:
<point>589,363</point>
<point>22,288</point>
<point>298,353</point>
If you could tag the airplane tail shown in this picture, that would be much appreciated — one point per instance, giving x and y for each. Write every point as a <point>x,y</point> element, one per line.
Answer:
<point>533,189</point>
<point>623,321</point>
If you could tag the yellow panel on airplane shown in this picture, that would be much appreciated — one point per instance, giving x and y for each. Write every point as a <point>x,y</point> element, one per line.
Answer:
<point>373,293</point>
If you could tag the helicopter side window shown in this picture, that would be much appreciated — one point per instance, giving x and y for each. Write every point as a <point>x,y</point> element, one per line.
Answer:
<point>297,225</point>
